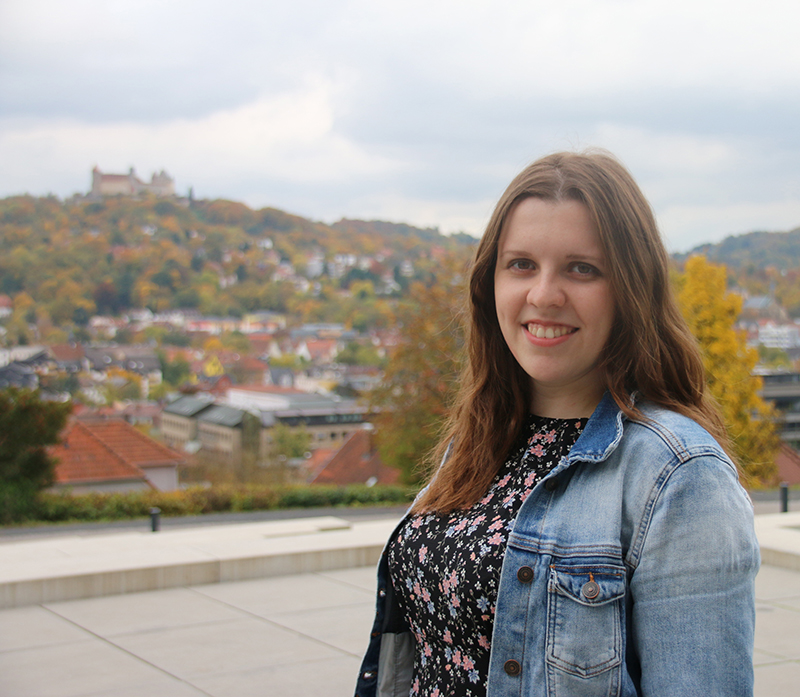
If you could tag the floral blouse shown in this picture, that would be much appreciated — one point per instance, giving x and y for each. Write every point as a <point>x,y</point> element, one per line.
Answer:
<point>446,568</point>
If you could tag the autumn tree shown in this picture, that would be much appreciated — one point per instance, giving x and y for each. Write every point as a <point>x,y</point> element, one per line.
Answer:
<point>711,313</point>
<point>27,425</point>
<point>421,374</point>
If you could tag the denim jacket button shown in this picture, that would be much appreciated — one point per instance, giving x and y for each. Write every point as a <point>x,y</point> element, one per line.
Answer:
<point>525,574</point>
<point>590,590</point>
<point>512,667</point>
<point>551,484</point>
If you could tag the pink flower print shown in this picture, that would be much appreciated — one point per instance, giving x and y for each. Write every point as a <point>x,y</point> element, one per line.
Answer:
<point>530,479</point>
<point>415,687</point>
<point>486,499</point>
<point>461,525</point>
<point>504,480</point>
<point>478,520</point>
<point>422,553</point>
<point>417,522</point>
<point>427,650</point>
<point>537,450</point>
<point>454,601</point>
<point>577,424</point>
<point>509,498</point>
<point>535,437</point>
<point>457,658</point>
<point>497,525</point>
<point>447,637</point>
<point>425,595</point>
<point>483,641</point>
<point>496,539</point>
<point>435,693</point>
<point>469,664</point>
<point>550,436</point>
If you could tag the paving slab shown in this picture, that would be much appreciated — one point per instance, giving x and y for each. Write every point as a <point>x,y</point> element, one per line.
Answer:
<point>779,539</point>
<point>236,639</point>
<point>63,568</point>
<point>293,634</point>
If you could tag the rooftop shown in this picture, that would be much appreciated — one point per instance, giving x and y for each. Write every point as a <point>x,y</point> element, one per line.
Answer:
<point>188,406</point>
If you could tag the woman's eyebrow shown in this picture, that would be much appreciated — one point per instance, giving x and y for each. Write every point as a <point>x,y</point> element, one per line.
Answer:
<point>586,257</point>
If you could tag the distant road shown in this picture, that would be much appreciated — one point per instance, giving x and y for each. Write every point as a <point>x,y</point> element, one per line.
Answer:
<point>769,501</point>
<point>11,534</point>
<point>765,502</point>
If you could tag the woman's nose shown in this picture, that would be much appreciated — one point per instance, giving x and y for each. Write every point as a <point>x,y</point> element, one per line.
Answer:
<point>546,291</point>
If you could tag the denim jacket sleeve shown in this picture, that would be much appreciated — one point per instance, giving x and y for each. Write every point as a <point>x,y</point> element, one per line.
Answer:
<point>694,559</point>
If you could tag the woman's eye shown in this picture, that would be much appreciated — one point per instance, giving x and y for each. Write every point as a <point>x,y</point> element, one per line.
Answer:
<point>585,269</point>
<point>522,264</point>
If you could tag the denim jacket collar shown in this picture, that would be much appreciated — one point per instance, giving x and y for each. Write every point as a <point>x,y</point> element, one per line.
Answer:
<point>602,434</point>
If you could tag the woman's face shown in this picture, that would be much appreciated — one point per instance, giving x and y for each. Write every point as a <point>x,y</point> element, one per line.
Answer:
<point>554,303</point>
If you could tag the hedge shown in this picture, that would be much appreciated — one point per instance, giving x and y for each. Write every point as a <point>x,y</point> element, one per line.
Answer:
<point>64,506</point>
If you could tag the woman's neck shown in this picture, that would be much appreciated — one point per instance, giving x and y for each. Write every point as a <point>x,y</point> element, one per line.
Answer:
<point>565,404</point>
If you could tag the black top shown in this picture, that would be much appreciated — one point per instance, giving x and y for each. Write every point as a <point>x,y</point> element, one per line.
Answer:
<point>446,568</point>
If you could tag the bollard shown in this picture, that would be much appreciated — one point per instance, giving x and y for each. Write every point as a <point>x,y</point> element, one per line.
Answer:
<point>784,497</point>
<point>155,519</point>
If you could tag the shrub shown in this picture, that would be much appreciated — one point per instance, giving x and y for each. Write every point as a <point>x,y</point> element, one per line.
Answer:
<point>65,506</point>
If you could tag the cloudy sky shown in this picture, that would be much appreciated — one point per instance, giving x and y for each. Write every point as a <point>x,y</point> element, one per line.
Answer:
<point>418,111</point>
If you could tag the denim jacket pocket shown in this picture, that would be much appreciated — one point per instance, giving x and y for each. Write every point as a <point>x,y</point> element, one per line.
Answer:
<point>585,616</point>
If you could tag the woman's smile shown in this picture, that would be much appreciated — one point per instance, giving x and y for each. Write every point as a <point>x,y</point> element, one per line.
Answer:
<point>539,330</point>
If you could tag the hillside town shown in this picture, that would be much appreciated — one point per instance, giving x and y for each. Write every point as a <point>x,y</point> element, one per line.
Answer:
<point>227,406</point>
<point>229,403</point>
<point>218,343</point>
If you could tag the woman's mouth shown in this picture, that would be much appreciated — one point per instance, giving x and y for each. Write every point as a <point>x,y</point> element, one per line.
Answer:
<point>550,331</point>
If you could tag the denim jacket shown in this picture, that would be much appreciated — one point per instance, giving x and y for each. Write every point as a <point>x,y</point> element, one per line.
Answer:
<point>629,571</point>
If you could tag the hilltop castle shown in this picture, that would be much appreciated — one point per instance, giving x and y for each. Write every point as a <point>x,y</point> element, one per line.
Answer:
<point>129,184</point>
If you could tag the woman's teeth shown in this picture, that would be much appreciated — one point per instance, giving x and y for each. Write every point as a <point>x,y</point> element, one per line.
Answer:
<point>541,332</point>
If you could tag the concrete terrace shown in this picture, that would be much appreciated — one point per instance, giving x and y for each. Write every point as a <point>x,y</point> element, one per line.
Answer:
<point>280,607</point>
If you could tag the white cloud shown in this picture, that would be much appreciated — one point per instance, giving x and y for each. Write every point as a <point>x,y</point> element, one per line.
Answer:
<point>420,110</point>
<point>686,227</point>
<point>288,137</point>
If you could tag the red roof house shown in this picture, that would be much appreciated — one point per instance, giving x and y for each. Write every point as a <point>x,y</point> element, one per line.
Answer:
<point>356,462</point>
<point>111,455</point>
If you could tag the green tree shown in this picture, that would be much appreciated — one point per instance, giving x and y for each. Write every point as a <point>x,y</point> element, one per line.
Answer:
<point>355,353</point>
<point>174,372</point>
<point>291,442</point>
<point>711,313</point>
<point>27,425</point>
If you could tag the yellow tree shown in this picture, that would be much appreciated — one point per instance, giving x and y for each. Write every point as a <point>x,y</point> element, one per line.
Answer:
<point>711,313</point>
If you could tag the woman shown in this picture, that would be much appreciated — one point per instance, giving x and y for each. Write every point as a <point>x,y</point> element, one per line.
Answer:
<point>586,533</point>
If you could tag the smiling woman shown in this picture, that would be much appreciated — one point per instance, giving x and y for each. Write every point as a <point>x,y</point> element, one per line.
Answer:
<point>585,532</point>
<point>554,303</point>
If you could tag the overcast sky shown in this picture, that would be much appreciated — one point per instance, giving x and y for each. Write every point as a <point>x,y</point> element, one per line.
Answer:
<point>417,111</point>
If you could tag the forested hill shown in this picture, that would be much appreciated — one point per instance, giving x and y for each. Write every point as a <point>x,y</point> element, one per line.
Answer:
<point>754,250</point>
<point>69,259</point>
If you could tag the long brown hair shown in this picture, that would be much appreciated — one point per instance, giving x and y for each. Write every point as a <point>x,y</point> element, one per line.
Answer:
<point>650,350</point>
